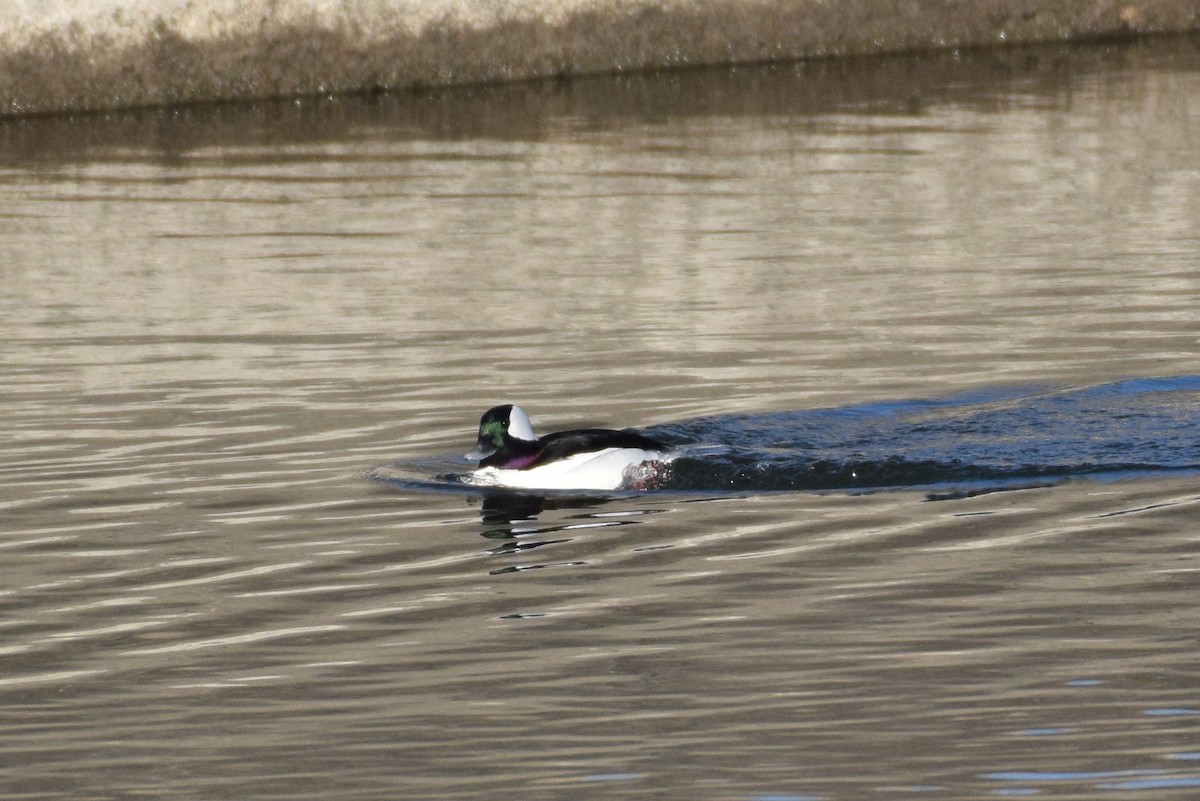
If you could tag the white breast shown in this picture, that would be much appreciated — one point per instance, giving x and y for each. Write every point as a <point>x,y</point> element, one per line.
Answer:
<point>599,470</point>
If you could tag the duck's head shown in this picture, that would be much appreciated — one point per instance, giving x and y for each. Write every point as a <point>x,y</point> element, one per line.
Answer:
<point>498,427</point>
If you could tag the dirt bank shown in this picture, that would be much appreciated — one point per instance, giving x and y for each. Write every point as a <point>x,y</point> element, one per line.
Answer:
<point>107,54</point>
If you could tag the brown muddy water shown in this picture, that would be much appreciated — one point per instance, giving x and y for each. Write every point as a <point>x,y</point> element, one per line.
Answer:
<point>222,326</point>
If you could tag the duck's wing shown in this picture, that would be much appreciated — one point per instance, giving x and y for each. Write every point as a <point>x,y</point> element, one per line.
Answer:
<point>586,440</point>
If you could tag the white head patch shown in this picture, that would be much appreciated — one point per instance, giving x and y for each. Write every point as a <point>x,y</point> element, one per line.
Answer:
<point>518,425</point>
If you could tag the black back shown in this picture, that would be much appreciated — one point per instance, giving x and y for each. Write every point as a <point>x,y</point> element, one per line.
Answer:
<point>566,443</point>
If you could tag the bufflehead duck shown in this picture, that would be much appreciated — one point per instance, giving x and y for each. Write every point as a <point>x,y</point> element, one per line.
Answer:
<point>511,455</point>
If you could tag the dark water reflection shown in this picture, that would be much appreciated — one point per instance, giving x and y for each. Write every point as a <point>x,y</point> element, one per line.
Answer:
<point>218,323</point>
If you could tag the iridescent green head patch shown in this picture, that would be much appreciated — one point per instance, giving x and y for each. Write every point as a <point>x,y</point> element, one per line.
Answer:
<point>494,431</point>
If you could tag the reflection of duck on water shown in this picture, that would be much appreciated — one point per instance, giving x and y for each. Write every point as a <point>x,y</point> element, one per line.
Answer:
<point>511,455</point>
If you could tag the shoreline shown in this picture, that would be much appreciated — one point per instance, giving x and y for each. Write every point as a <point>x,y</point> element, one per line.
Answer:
<point>110,55</point>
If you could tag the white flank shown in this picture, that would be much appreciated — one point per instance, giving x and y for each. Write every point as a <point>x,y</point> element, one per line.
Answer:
<point>598,470</point>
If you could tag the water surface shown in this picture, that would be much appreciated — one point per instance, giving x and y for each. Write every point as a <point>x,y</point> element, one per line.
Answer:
<point>219,324</point>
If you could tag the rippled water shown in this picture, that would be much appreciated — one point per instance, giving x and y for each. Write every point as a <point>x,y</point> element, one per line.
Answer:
<point>220,324</point>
